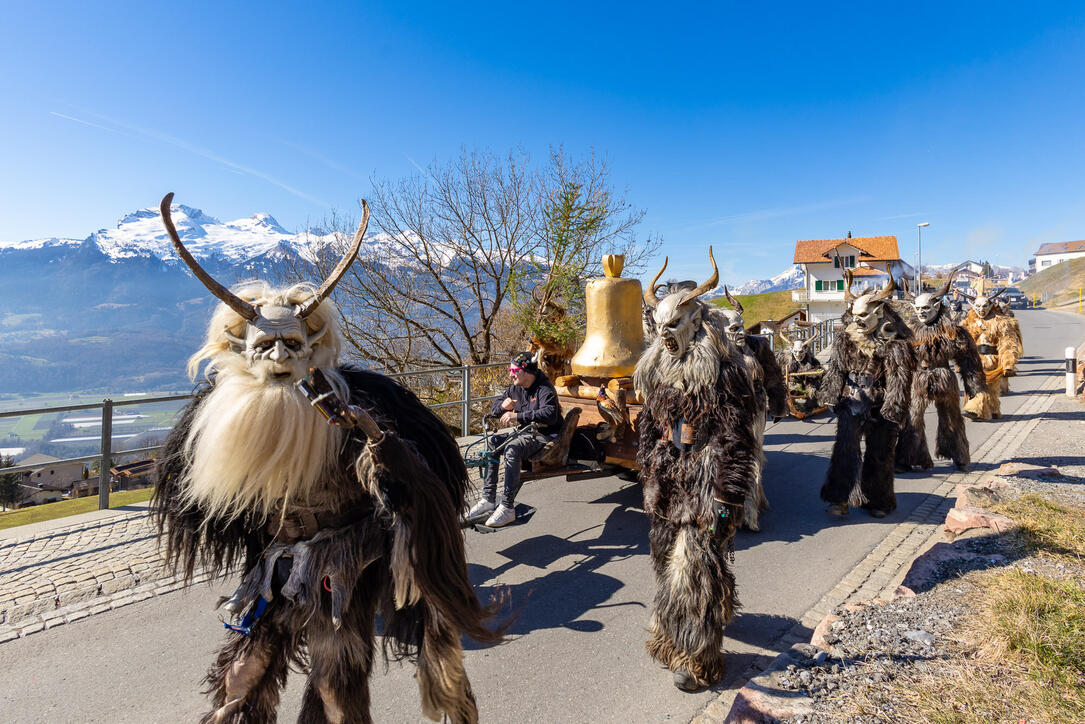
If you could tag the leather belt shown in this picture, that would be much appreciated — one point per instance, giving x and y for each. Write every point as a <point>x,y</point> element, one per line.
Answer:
<point>987,349</point>
<point>302,523</point>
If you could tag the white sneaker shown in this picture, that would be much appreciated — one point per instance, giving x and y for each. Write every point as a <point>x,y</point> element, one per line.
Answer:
<point>501,517</point>
<point>480,510</point>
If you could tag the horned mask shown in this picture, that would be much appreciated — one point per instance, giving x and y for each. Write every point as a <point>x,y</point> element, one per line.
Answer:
<point>678,315</point>
<point>797,347</point>
<point>982,304</point>
<point>867,309</point>
<point>736,328</point>
<point>279,342</point>
<point>929,304</point>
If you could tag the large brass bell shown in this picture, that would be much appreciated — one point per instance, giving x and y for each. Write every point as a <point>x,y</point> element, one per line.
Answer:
<point>614,338</point>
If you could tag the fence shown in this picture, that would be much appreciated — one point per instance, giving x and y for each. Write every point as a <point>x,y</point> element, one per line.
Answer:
<point>824,331</point>
<point>106,454</point>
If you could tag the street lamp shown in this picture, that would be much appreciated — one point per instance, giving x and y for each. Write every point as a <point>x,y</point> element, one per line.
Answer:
<point>919,256</point>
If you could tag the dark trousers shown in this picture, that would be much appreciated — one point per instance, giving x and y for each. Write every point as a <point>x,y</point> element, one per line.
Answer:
<point>862,477</point>
<point>512,457</point>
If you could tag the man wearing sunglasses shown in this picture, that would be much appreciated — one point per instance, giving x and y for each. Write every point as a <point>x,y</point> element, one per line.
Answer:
<point>530,398</point>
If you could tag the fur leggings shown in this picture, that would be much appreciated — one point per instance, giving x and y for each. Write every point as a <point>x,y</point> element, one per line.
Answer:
<point>756,502</point>
<point>695,599</point>
<point>250,672</point>
<point>986,405</point>
<point>940,388</point>
<point>862,478</point>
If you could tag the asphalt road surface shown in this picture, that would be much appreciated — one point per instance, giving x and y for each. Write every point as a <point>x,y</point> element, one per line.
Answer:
<point>579,569</point>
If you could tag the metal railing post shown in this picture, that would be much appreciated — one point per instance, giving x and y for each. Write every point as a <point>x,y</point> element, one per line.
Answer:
<point>465,423</point>
<point>107,452</point>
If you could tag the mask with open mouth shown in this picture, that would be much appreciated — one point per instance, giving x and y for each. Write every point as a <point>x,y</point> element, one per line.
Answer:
<point>677,316</point>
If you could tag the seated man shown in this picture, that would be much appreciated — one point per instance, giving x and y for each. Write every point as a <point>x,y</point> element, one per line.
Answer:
<point>530,398</point>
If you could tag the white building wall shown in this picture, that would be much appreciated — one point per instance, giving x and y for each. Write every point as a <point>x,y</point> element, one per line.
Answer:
<point>1043,261</point>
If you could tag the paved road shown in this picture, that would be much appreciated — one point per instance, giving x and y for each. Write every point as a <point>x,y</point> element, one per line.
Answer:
<point>579,568</point>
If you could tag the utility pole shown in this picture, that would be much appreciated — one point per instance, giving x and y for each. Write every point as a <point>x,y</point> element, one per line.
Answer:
<point>919,255</point>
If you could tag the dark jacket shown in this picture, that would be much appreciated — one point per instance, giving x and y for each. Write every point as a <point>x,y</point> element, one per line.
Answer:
<point>538,403</point>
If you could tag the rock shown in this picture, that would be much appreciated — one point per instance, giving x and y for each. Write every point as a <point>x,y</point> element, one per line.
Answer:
<point>1027,470</point>
<point>987,492</point>
<point>820,631</point>
<point>920,637</point>
<point>903,592</point>
<point>958,520</point>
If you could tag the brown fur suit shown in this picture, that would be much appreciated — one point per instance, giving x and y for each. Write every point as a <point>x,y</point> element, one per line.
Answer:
<point>387,542</point>
<point>1018,343</point>
<point>937,345</point>
<point>771,398</point>
<point>868,382</point>
<point>696,446</point>
<point>994,333</point>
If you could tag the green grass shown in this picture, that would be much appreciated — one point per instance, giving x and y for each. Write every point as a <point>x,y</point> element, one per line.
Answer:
<point>64,508</point>
<point>1062,281</point>
<point>759,307</point>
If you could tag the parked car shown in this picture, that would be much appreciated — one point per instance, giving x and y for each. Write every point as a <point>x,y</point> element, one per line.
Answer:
<point>1016,298</point>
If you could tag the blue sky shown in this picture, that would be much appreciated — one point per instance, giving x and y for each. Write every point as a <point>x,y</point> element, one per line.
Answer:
<point>744,127</point>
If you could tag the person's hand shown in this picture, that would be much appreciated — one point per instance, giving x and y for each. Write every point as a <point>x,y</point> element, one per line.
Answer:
<point>508,405</point>
<point>509,418</point>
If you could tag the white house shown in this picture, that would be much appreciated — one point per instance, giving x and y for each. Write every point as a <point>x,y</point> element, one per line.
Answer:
<point>1053,253</point>
<point>824,260</point>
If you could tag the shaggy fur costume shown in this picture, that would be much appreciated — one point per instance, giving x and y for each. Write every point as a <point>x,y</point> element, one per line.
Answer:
<point>937,345</point>
<point>867,381</point>
<point>806,384</point>
<point>772,399</point>
<point>996,333</point>
<point>710,390</point>
<point>383,539</point>
<point>1018,343</point>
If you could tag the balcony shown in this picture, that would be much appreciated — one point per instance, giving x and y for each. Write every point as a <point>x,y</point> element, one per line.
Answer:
<point>805,296</point>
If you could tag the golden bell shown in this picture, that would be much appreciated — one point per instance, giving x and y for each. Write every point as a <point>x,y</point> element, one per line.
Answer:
<point>614,338</point>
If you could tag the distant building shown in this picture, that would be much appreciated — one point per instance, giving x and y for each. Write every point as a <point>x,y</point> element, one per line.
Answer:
<point>824,260</point>
<point>1051,254</point>
<point>51,473</point>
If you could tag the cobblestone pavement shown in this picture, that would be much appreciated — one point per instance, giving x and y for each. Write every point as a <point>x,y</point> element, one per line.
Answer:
<point>61,575</point>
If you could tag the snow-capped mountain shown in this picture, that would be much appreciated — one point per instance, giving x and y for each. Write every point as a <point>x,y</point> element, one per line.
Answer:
<point>141,234</point>
<point>791,278</point>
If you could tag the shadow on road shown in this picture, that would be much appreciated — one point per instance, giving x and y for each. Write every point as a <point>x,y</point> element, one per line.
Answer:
<point>561,598</point>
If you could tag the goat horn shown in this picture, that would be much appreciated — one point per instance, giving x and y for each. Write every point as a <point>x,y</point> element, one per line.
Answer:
<point>811,339</point>
<point>246,310</point>
<point>734,302</point>
<point>650,290</point>
<point>778,331</point>
<point>848,296</point>
<point>949,283</point>
<point>890,287</point>
<point>310,304</point>
<point>708,285</point>
<point>998,292</point>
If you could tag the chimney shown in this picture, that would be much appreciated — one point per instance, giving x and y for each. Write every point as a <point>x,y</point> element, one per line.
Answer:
<point>849,234</point>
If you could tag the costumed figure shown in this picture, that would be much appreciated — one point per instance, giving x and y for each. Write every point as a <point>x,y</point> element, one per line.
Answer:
<point>867,381</point>
<point>698,458</point>
<point>995,340</point>
<point>332,524</point>
<point>769,391</point>
<point>801,369</point>
<point>1015,334</point>
<point>940,341</point>
<point>552,355</point>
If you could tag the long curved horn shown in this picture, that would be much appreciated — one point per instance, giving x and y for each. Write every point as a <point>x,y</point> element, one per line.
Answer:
<point>734,302</point>
<point>810,339</point>
<point>310,304</point>
<point>707,286</point>
<point>967,295</point>
<point>992,296</point>
<point>650,290</point>
<point>777,331</point>
<point>949,283</point>
<point>246,310</point>
<point>848,278</point>
<point>890,287</point>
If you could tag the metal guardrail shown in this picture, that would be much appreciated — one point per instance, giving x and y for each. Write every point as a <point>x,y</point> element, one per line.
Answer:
<point>106,454</point>
<point>826,329</point>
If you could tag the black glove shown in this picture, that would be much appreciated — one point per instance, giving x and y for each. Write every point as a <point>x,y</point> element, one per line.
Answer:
<point>720,517</point>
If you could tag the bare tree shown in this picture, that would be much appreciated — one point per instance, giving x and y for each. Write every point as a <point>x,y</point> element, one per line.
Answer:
<point>456,244</point>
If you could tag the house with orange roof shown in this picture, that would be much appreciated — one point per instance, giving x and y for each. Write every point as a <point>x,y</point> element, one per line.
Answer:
<point>824,261</point>
<point>1054,252</point>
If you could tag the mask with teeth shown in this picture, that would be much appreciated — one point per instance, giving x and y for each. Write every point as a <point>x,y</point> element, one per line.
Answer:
<point>280,333</point>
<point>736,328</point>
<point>678,316</point>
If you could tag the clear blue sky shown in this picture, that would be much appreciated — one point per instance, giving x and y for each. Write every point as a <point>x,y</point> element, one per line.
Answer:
<point>743,127</point>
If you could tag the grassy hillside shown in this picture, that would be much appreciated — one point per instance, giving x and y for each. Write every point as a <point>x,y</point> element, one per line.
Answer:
<point>758,307</point>
<point>1061,281</point>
